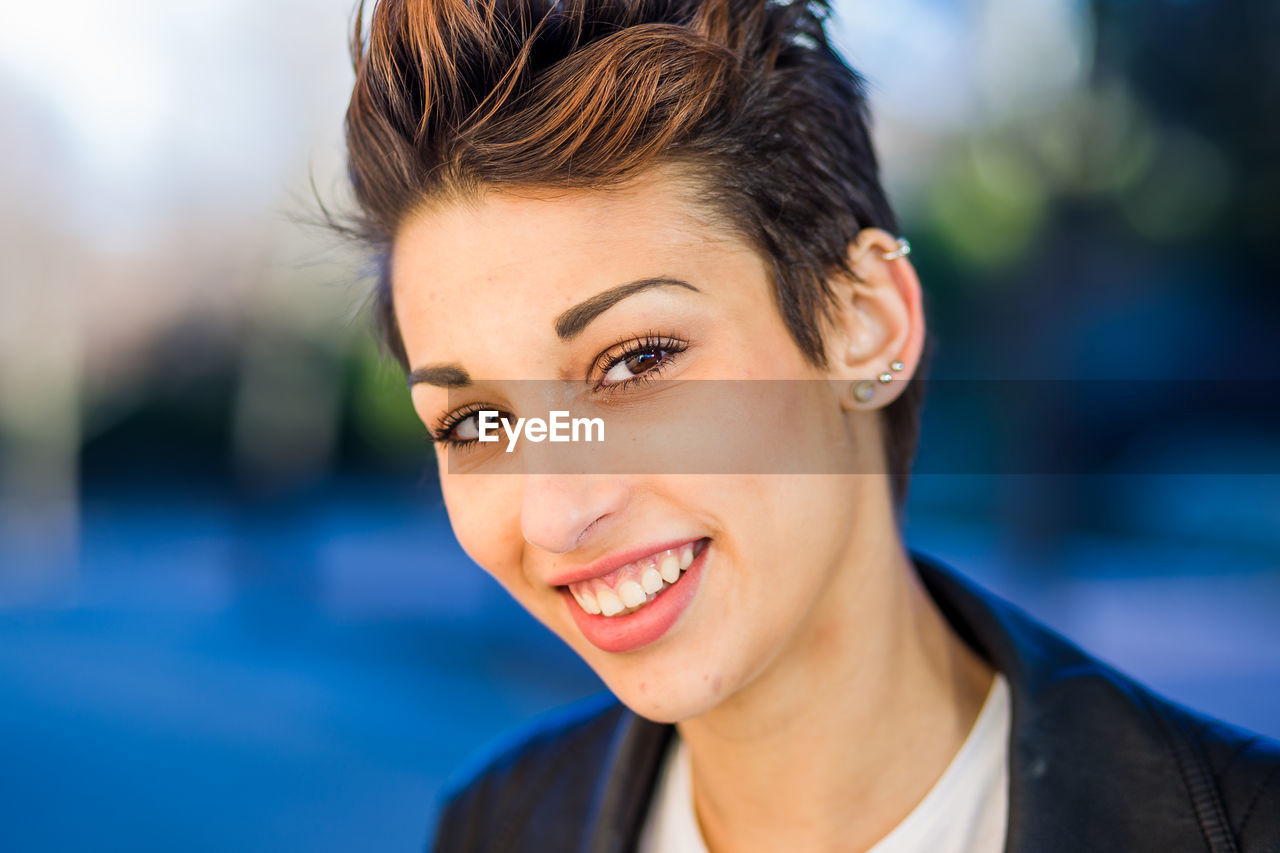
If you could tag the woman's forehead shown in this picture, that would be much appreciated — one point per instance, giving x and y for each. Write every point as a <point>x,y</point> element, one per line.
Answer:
<point>521,258</point>
<point>504,221</point>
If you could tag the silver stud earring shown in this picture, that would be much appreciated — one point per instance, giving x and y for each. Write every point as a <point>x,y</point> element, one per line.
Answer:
<point>886,377</point>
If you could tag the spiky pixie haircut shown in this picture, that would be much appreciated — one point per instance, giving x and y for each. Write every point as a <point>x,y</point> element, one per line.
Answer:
<point>747,96</point>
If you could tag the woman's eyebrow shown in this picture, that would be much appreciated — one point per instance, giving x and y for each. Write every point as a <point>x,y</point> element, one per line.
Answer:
<point>573,321</point>
<point>443,375</point>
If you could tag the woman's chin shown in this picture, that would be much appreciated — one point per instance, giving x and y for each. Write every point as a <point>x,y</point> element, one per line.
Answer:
<point>667,700</point>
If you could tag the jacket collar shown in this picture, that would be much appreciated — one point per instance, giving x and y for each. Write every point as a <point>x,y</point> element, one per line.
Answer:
<point>1089,763</point>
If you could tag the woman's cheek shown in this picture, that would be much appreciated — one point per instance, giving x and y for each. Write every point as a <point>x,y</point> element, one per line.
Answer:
<point>484,512</point>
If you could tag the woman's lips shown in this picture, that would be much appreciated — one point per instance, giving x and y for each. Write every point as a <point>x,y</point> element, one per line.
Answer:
<point>651,613</point>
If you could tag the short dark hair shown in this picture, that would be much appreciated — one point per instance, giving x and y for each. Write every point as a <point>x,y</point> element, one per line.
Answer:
<point>452,96</point>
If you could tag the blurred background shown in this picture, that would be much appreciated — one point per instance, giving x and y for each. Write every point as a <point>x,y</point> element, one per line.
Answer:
<point>232,613</point>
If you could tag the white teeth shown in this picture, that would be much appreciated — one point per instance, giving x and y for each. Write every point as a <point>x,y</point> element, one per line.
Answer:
<point>651,580</point>
<point>632,593</point>
<point>686,557</point>
<point>610,604</point>
<point>669,567</point>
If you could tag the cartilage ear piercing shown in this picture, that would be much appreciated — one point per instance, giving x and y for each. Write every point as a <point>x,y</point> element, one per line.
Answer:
<point>904,249</point>
<point>896,366</point>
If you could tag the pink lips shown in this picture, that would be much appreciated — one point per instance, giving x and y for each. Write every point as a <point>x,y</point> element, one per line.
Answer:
<point>646,625</point>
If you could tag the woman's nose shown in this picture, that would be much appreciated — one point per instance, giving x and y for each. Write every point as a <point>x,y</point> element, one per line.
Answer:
<point>560,510</point>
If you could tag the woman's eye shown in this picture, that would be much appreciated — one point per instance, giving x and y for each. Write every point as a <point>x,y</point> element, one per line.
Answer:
<point>467,429</point>
<point>460,429</point>
<point>634,364</point>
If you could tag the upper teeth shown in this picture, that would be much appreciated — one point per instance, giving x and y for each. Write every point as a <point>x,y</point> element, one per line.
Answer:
<point>631,587</point>
<point>651,580</point>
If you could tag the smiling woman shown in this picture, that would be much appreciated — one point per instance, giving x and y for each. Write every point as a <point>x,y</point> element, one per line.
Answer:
<point>629,207</point>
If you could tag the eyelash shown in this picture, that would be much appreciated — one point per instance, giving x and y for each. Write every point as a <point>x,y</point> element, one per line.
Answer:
<point>650,342</point>
<point>446,425</point>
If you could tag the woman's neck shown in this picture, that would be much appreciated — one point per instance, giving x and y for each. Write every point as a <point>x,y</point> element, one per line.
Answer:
<point>848,727</point>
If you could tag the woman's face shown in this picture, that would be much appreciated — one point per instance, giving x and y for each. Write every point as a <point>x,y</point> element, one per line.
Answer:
<point>494,293</point>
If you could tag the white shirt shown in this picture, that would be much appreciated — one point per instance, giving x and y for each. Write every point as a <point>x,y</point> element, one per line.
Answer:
<point>965,811</point>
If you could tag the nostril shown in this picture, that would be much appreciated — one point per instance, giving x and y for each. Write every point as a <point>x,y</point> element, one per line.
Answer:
<point>586,531</point>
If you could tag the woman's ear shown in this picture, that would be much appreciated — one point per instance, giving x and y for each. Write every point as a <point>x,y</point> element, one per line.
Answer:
<point>878,327</point>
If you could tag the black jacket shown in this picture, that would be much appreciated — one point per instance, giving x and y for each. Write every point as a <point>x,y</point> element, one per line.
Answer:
<point>1096,761</point>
